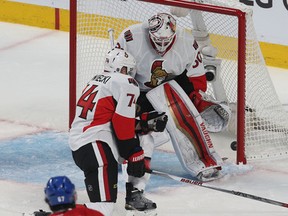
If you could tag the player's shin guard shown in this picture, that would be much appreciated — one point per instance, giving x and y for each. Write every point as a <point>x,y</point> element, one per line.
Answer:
<point>190,139</point>
<point>140,183</point>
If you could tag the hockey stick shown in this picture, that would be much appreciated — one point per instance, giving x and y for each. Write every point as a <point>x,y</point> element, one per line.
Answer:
<point>202,184</point>
<point>111,37</point>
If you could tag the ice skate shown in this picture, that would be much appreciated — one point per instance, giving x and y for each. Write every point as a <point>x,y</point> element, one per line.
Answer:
<point>137,203</point>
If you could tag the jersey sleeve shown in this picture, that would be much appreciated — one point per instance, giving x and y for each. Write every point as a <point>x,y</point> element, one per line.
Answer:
<point>125,94</point>
<point>123,120</point>
<point>196,71</point>
<point>121,41</point>
<point>130,40</point>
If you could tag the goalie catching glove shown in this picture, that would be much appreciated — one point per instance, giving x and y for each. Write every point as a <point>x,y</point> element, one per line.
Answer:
<point>151,121</point>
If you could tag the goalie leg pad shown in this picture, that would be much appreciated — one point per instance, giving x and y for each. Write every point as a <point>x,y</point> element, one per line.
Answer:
<point>188,133</point>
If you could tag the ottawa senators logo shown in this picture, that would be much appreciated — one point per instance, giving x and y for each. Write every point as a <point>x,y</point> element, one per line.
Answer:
<point>158,74</point>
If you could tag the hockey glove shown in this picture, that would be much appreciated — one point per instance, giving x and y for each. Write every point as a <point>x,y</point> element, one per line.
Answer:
<point>151,121</point>
<point>136,165</point>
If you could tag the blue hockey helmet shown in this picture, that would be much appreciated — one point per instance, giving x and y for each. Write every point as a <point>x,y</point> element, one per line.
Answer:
<point>60,191</point>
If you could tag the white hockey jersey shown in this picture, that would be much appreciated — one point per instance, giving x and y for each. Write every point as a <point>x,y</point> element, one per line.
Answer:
<point>154,69</point>
<point>109,98</point>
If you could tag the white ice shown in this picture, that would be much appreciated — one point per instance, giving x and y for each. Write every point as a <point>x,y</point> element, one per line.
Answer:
<point>34,113</point>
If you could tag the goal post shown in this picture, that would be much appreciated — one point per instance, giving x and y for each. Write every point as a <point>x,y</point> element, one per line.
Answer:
<point>259,123</point>
<point>72,60</point>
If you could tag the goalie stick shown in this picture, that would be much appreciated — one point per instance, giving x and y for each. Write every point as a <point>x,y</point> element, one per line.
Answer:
<point>202,184</point>
<point>111,37</point>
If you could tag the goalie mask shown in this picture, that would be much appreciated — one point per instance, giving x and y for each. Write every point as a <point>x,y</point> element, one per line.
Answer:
<point>162,28</point>
<point>120,61</point>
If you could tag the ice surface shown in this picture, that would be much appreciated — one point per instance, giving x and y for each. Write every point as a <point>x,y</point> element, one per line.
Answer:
<point>34,146</point>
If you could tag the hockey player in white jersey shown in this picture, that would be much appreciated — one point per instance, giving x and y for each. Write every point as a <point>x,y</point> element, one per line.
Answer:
<point>102,134</point>
<point>171,74</point>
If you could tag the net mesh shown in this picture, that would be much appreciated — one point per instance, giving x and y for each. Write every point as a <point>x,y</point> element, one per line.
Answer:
<point>266,122</point>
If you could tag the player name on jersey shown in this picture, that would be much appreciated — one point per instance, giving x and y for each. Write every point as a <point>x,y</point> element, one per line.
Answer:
<point>101,78</point>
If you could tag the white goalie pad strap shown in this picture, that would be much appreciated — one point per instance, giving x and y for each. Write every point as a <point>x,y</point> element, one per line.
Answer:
<point>190,139</point>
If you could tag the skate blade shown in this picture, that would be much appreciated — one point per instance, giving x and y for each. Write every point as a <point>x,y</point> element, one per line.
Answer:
<point>141,213</point>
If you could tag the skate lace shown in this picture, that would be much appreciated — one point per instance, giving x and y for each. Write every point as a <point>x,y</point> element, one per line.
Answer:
<point>144,199</point>
<point>141,197</point>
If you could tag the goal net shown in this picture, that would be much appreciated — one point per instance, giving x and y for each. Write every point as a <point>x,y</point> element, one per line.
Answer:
<point>260,123</point>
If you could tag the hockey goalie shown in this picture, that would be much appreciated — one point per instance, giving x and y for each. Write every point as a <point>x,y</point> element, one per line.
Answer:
<point>172,79</point>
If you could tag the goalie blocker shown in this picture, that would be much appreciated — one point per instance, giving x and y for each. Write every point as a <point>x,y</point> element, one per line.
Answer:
<point>188,133</point>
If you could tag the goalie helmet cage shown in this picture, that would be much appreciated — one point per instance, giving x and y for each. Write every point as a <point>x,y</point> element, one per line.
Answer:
<point>261,123</point>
